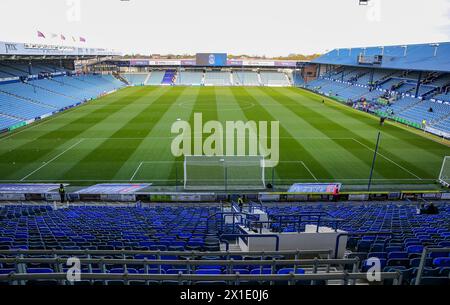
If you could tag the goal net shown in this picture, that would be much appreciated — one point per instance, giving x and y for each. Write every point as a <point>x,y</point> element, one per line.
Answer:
<point>223,172</point>
<point>444,175</point>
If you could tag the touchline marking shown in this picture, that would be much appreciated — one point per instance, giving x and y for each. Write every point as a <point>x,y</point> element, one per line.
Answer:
<point>136,171</point>
<point>390,160</point>
<point>53,159</point>
<point>310,172</point>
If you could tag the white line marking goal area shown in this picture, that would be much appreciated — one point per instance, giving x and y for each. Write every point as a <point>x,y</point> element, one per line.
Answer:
<point>51,160</point>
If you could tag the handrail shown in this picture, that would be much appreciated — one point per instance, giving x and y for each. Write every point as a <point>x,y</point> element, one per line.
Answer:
<point>336,248</point>
<point>297,223</point>
<point>236,278</point>
<point>299,219</point>
<point>233,214</point>
<point>277,238</point>
<point>188,262</point>
<point>261,206</point>
<point>423,258</point>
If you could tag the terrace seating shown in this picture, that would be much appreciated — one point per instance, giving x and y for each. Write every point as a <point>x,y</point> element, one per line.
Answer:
<point>155,78</point>
<point>184,228</point>
<point>169,77</point>
<point>274,79</point>
<point>241,78</point>
<point>21,108</point>
<point>188,78</point>
<point>136,78</point>
<point>6,121</point>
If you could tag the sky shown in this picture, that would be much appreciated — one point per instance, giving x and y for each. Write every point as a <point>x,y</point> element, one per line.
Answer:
<point>252,27</point>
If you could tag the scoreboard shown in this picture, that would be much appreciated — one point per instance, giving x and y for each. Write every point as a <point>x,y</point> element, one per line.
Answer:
<point>211,59</point>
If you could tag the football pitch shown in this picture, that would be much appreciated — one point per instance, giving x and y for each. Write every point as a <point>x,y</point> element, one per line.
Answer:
<point>126,137</point>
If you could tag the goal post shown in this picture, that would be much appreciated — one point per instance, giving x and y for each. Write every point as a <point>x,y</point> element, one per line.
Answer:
<point>444,175</point>
<point>224,172</point>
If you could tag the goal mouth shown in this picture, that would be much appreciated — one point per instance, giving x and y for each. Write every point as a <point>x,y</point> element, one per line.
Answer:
<point>224,173</point>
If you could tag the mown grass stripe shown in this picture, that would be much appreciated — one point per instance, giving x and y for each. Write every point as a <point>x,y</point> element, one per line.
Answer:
<point>106,160</point>
<point>206,104</point>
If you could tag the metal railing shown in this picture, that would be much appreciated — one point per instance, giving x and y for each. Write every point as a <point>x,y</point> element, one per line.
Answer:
<point>321,217</point>
<point>223,236</point>
<point>423,258</point>
<point>159,253</point>
<point>189,265</point>
<point>236,279</point>
<point>338,238</point>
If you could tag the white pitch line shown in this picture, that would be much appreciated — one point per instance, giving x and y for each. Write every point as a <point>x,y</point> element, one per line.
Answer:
<point>53,159</point>
<point>390,160</point>
<point>310,172</point>
<point>136,171</point>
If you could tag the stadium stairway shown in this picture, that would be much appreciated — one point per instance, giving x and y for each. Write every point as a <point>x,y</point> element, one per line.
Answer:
<point>124,80</point>
<point>259,78</point>
<point>148,77</point>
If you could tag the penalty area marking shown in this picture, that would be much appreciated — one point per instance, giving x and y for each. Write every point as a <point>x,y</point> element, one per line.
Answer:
<point>390,160</point>
<point>51,160</point>
<point>306,167</point>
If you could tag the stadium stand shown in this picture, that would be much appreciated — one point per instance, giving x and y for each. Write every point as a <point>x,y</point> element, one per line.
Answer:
<point>169,77</point>
<point>245,78</point>
<point>298,79</point>
<point>274,79</point>
<point>136,78</point>
<point>156,78</point>
<point>36,97</point>
<point>165,235</point>
<point>6,121</point>
<point>414,81</point>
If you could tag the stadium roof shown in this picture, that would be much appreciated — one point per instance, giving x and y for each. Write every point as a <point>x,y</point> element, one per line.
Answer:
<point>15,49</point>
<point>421,57</point>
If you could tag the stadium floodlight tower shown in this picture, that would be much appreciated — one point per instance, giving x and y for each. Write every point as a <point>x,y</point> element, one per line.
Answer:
<point>444,175</point>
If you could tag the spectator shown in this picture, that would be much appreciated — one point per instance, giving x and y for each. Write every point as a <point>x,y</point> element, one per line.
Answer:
<point>241,203</point>
<point>62,193</point>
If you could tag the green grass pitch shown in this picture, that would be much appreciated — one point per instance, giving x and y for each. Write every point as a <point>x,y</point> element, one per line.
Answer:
<point>126,137</point>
